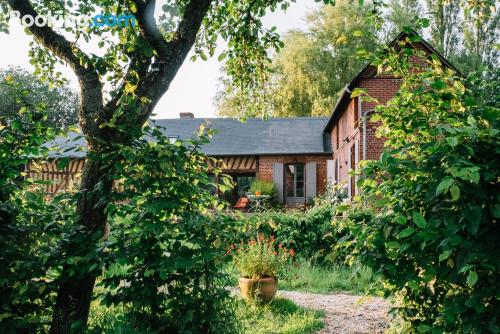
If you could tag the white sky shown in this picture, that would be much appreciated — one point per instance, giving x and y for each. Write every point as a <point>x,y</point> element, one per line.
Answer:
<point>195,85</point>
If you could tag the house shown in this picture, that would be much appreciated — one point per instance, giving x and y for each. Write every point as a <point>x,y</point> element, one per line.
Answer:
<point>352,134</point>
<point>291,152</point>
<point>300,155</point>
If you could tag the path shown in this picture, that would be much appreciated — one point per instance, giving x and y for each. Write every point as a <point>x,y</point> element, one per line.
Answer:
<point>345,313</point>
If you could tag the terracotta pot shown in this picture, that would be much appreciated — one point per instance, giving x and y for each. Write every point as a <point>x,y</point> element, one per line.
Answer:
<point>261,289</point>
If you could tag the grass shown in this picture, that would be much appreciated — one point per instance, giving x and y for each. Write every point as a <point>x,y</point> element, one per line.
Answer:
<point>280,316</point>
<point>303,275</point>
<point>307,277</point>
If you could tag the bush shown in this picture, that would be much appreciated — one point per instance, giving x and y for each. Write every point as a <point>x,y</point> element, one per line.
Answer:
<point>29,225</point>
<point>310,233</point>
<point>428,218</point>
<point>164,250</point>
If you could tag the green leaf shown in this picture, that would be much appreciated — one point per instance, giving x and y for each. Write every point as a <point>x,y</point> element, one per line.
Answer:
<point>358,33</point>
<point>471,278</point>
<point>455,192</point>
<point>424,328</point>
<point>222,56</point>
<point>452,141</point>
<point>419,220</point>
<point>444,186</point>
<point>444,255</point>
<point>407,232</point>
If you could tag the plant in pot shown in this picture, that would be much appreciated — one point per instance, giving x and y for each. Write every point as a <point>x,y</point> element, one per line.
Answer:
<point>259,263</point>
<point>261,187</point>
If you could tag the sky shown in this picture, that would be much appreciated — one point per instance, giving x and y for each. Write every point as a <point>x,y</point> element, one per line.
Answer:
<point>195,85</point>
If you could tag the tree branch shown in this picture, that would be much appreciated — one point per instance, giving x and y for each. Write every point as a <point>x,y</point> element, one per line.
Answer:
<point>91,87</point>
<point>172,53</point>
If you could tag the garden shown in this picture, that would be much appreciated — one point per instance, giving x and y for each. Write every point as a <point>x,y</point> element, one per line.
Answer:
<point>142,245</point>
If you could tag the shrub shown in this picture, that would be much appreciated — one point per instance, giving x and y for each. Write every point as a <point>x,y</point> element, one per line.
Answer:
<point>310,232</point>
<point>29,225</point>
<point>428,218</point>
<point>164,250</point>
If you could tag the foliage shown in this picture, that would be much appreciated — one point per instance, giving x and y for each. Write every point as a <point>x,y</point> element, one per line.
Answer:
<point>60,102</point>
<point>261,258</point>
<point>312,68</point>
<point>120,85</point>
<point>309,232</point>
<point>280,316</point>
<point>401,14</point>
<point>264,187</point>
<point>163,251</point>
<point>334,194</point>
<point>29,224</point>
<point>428,218</point>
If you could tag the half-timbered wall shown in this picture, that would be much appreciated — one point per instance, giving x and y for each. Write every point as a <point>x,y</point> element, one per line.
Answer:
<point>59,179</point>
<point>63,179</point>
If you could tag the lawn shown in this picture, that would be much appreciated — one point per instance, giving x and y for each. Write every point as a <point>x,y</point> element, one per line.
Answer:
<point>280,316</point>
<point>303,275</point>
<point>307,277</point>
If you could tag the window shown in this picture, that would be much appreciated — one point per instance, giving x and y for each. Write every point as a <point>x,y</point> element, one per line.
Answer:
<point>243,183</point>
<point>294,181</point>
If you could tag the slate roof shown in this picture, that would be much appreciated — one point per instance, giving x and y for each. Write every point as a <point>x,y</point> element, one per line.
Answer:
<point>280,136</point>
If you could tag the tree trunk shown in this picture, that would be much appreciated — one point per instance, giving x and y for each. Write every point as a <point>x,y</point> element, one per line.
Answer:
<point>75,292</point>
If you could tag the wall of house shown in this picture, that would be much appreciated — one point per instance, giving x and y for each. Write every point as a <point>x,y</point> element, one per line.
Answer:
<point>347,132</point>
<point>265,169</point>
<point>345,136</point>
<point>382,88</point>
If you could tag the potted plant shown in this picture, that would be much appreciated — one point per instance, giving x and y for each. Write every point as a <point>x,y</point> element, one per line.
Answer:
<point>259,263</point>
<point>261,187</point>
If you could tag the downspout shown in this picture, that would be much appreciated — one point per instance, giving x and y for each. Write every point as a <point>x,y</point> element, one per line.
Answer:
<point>363,118</point>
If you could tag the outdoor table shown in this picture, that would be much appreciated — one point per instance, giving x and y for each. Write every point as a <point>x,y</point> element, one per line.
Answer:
<point>257,202</point>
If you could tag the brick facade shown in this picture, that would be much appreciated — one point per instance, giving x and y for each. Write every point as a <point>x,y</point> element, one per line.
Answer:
<point>265,167</point>
<point>347,133</point>
<point>350,126</point>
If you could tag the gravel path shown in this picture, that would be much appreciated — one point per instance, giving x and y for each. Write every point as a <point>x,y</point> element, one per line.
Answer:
<point>345,313</point>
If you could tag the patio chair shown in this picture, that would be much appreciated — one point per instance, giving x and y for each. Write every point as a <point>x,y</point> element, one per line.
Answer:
<point>242,203</point>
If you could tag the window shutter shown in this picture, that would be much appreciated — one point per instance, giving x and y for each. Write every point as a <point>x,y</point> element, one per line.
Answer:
<point>310,180</point>
<point>278,179</point>
<point>330,171</point>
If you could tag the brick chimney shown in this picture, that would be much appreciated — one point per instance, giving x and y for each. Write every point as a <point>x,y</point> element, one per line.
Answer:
<point>185,115</point>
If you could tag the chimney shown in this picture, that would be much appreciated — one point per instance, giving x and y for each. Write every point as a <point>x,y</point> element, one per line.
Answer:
<point>186,115</point>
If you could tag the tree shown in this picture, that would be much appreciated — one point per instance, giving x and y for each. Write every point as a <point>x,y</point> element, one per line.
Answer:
<point>138,64</point>
<point>307,75</point>
<point>402,13</point>
<point>61,102</point>
<point>445,25</point>
<point>481,36</point>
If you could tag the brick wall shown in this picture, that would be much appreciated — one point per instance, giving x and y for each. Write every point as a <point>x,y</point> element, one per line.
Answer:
<point>347,132</point>
<point>265,169</point>
<point>382,88</point>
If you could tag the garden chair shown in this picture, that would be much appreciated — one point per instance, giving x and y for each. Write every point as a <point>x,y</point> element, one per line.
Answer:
<point>242,203</point>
